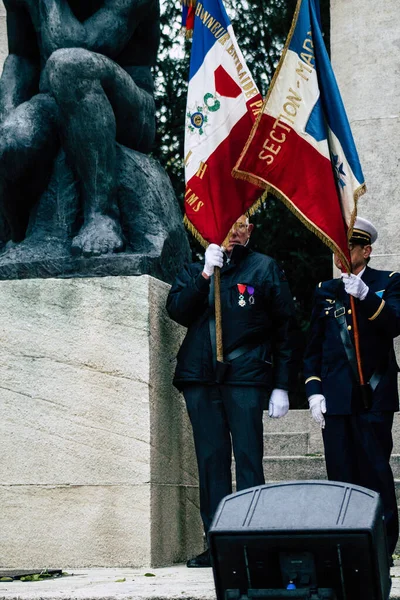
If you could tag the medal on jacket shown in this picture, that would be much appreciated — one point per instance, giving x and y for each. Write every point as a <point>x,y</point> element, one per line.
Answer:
<point>242,289</point>
<point>251,294</point>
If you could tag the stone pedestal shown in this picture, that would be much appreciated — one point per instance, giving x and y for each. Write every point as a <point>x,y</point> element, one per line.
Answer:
<point>97,465</point>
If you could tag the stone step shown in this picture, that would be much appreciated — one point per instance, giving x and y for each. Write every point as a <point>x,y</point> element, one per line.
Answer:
<point>291,468</point>
<point>300,422</point>
<point>286,444</point>
<point>311,466</point>
<point>319,474</point>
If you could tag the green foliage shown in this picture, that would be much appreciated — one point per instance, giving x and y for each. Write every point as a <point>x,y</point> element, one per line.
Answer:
<point>172,73</point>
<point>261,28</point>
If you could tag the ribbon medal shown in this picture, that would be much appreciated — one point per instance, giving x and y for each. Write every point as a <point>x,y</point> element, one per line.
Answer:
<point>242,289</point>
<point>251,294</point>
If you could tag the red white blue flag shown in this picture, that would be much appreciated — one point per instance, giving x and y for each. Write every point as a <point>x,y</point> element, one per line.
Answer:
<point>222,105</point>
<point>301,147</point>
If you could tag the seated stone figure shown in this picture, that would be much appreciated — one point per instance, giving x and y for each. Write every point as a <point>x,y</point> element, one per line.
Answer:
<point>77,77</point>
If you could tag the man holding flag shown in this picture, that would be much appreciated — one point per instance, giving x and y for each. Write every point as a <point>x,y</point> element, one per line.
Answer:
<point>226,408</point>
<point>228,413</point>
<point>302,149</point>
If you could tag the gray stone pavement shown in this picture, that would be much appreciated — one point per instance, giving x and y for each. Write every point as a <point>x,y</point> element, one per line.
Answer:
<point>97,584</point>
<point>169,583</point>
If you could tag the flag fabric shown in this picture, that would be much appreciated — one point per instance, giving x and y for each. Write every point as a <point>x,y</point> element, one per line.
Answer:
<point>223,103</point>
<point>301,148</point>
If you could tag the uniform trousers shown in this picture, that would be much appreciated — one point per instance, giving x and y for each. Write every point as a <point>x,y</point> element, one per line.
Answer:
<point>225,417</point>
<point>357,450</point>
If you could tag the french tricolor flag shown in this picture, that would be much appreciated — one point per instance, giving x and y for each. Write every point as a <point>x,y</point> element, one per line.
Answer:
<point>301,148</point>
<point>222,105</point>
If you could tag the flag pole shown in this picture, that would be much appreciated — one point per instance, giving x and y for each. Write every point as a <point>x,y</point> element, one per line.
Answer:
<point>218,314</point>
<point>365,390</point>
<point>357,340</point>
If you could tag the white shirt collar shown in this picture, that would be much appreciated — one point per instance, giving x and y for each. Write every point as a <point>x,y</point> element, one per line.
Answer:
<point>361,272</point>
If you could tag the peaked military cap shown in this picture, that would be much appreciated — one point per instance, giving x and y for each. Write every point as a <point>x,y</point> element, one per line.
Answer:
<point>363,232</point>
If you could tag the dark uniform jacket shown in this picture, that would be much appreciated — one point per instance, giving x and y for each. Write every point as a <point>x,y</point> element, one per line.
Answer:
<point>262,321</point>
<point>326,367</point>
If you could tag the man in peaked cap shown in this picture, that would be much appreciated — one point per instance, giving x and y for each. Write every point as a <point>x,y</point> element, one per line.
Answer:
<point>357,426</point>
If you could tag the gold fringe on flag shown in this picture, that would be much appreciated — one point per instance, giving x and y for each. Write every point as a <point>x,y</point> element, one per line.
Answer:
<point>294,209</point>
<point>195,233</point>
<point>189,2</point>
<point>254,208</point>
<point>249,213</point>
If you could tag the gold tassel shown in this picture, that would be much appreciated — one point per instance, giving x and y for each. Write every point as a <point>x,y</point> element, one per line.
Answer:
<point>187,33</point>
<point>360,191</point>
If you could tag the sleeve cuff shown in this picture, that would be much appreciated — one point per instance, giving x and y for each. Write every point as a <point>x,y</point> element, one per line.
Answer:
<point>202,285</point>
<point>372,306</point>
<point>313,385</point>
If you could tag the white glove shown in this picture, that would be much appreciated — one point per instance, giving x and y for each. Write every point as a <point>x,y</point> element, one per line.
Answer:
<point>355,286</point>
<point>214,257</point>
<point>278,404</point>
<point>317,404</point>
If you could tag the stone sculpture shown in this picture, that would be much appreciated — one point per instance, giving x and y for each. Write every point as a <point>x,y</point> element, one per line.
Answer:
<point>77,115</point>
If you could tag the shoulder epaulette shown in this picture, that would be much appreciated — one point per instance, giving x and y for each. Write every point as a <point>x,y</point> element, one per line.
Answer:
<point>393,273</point>
<point>320,284</point>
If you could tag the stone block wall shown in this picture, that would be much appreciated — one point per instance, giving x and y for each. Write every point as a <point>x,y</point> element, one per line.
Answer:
<point>97,464</point>
<point>365,45</point>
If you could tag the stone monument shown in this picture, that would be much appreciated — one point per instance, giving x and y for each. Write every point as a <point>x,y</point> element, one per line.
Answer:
<point>97,462</point>
<point>78,195</point>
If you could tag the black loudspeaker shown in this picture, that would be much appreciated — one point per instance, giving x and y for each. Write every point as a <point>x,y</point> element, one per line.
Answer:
<point>300,539</point>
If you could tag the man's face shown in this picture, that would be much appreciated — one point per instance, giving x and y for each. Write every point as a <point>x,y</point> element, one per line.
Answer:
<point>358,254</point>
<point>239,233</point>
